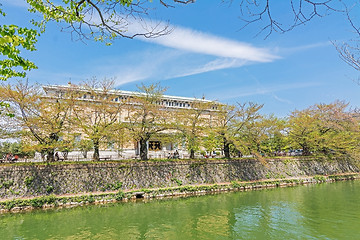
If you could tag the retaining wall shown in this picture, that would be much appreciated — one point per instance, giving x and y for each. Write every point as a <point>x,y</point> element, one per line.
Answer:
<point>37,180</point>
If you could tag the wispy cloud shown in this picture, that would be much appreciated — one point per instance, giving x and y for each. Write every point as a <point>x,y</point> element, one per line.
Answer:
<point>217,64</point>
<point>188,52</point>
<point>263,90</point>
<point>220,53</point>
<point>203,43</point>
<point>292,50</point>
<point>161,64</point>
<point>16,3</point>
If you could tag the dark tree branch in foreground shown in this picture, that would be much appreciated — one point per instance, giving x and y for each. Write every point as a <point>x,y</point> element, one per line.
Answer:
<point>350,51</point>
<point>283,16</point>
<point>270,14</point>
<point>105,20</point>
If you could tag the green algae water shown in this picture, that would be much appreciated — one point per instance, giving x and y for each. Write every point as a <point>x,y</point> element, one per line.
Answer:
<point>324,211</point>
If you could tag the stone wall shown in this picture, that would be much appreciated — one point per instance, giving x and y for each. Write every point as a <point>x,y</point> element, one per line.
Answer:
<point>38,180</point>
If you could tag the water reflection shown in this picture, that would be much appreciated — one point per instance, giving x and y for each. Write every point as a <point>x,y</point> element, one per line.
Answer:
<point>327,211</point>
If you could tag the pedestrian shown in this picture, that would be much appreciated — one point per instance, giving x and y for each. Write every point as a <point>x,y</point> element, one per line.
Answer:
<point>176,154</point>
<point>57,156</point>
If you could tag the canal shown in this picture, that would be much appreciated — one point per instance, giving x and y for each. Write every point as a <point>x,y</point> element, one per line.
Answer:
<point>323,211</point>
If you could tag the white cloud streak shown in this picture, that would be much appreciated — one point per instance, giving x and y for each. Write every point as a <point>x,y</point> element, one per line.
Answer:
<point>217,64</point>
<point>292,50</point>
<point>164,69</point>
<point>16,3</point>
<point>252,91</point>
<point>203,43</point>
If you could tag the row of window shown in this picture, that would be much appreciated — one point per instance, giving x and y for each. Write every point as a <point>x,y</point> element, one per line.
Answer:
<point>164,103</point>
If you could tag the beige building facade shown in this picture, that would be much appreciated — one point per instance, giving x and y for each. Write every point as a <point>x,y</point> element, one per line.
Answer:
<point>157,146</point>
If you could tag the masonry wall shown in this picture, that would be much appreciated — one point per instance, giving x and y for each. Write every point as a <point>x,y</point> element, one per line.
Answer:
<point>38,180</point>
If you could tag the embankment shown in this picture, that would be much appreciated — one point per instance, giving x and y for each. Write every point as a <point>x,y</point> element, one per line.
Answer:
<point>22,181</point>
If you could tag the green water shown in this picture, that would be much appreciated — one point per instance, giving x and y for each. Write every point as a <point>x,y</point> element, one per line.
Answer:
<point>324,211</point>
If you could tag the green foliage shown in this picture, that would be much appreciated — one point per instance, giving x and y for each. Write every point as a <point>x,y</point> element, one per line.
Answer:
<point>43,121</point>
<point>146,117</point>
<point>235,184</point>
<point>12,40</point>
<point>178,182</point>
<point>41,201</point>
<point>49,189</point>
<point>29,180</point>
<point>320,178</point>
<point>117,185</point>
<point>325,129</point>
<point>112,186</point>
<point>119,195</point>
<point>16,148</point>
<point>5,107</point>
<point>84,146</point>
<point>7,184</point>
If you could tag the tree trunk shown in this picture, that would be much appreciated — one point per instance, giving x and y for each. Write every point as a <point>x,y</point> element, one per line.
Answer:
<point>96,155</point>
<point>50,155</point>
<point>192,154</point>
<point>51,151</point>
<point>143,149</point>
<point>306,150</point>
<point>226,149</point>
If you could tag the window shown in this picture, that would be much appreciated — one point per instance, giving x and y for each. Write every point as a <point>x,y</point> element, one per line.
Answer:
<point>154,145</point>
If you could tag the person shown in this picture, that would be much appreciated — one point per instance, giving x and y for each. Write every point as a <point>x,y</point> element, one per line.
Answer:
<point>16,158</point>
<point>176,154</point>
<point>9,157</point>
<point>57,156</point>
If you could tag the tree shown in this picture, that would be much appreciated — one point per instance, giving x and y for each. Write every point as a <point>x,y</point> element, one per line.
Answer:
<point>302,130</point>
<point>276,140</point>
<point>40,119</point>
<point>325,129</point>
<point>230,122</point>
<point>13,39</point>
<point>269,15</point>
<point>102,20</point>
<point>95,111</point>
<point>84,145</point>
<point>16,148</point>
<point>194,122</point>
<point>224,126</point>
<point>146,116</point>
<point>262,136</point>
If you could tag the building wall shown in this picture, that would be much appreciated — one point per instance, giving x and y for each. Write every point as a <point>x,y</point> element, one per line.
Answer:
<point>170,104</point>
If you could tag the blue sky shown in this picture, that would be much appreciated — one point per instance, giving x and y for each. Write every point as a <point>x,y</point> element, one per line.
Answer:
<point>207,54</point>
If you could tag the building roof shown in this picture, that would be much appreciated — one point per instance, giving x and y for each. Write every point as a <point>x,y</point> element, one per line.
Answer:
<point>48,88</point>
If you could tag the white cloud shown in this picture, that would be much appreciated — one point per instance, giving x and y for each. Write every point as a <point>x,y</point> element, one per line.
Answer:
<point>217,64</point>
<point>198,42</point>
<point>263,90</point>
<point>16,3</point>
<point>160,64</point>
<point>292,50</point>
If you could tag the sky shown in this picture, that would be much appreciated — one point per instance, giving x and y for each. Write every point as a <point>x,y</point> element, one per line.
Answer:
<point>207,54</point>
